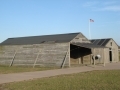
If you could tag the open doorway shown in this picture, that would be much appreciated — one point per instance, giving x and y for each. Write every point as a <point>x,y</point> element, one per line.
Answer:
<point>110,56</point>
<point>79,55</point>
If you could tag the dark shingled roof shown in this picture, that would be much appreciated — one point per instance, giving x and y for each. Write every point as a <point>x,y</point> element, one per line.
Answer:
<point>101,42</point>
<point>88,45</point>
<point>58,38</point>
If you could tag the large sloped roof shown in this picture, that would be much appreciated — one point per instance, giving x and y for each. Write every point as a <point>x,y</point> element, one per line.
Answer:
<point>58,38</point>
<point>101,42</point>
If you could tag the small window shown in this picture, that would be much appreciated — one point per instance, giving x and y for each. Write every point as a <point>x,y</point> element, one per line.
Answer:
<point>111,43</point>
<point>76,38</point>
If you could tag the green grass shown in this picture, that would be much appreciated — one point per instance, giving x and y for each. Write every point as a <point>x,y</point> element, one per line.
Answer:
<point>18,69</point>
<point>95,80</point>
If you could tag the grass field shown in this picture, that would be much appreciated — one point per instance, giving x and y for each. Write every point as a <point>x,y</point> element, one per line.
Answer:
<point>95,80</point>
<point>17,69</point>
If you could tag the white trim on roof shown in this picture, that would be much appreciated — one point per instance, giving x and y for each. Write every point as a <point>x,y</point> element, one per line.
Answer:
<point>103,42</point>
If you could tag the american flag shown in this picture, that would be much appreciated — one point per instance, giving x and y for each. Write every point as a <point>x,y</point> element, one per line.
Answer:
<point>91,20</point>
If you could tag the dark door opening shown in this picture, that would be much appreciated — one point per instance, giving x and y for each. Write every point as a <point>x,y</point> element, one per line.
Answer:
<point>110,55</point>
<point>77,54</point>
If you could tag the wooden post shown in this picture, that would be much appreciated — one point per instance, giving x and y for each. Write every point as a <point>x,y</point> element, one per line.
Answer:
<point>82,60</point>
<point>104,57</point>
<point>94,56</point>
<point>36,58</point>
<point>90,59</point>
<point>64,60</point>
<point>99,56</point>
<point>69,53</point>
<point>78,56</point>
<point>11,63</point>
<point>117,56</point>
<point>79,61</point>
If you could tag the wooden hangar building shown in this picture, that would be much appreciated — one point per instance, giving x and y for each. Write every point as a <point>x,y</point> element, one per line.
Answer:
<point>60,50</point>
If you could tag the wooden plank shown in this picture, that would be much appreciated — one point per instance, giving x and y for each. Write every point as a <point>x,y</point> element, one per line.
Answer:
<point>64,59</point>
<point>69,53</point>
<point>104,57</point>
<point>90,59</point>
<point>79,61</point>
<point>13,59</point>
<point>36,58</point>
<point>94,56</point>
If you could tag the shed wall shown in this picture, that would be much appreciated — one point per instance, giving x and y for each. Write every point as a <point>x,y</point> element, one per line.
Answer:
<point>52,54</point>
<point>114,48</point>
<point>103,52</point>
<point>80,38</point>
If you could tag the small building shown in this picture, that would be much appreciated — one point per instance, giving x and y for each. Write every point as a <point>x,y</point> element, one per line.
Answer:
<point>112,45</point>
<point>61,50</point>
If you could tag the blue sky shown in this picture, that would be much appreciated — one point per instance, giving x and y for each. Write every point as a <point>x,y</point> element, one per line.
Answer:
<point>20,18</point>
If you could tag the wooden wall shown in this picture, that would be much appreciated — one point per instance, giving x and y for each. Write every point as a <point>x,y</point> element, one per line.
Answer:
<point>114,48</point>
<point>80,38</point>
<point>103,52</point>
<point>51,54</point>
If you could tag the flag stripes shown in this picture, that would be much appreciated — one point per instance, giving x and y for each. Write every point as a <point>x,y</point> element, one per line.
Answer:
<point>91,20</point>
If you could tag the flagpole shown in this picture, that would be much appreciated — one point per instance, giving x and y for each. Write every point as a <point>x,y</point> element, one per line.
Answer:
<point>89,31</point>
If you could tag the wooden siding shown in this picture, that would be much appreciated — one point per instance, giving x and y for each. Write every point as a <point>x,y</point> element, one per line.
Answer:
<point>80,38</point>
<point>52,54</point>
<point>103,52</point>
<point>114,49</point>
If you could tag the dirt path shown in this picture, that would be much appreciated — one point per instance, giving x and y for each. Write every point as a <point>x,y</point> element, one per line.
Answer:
<point>6,78</point>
